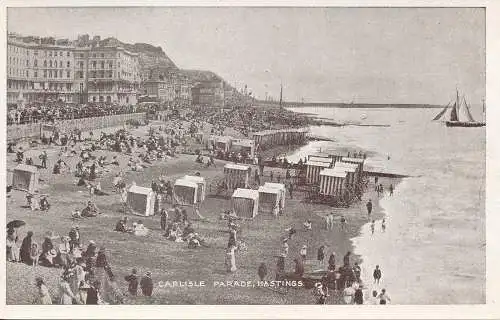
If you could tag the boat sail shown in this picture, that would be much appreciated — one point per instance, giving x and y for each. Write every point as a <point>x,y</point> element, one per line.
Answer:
<point>460,111</point>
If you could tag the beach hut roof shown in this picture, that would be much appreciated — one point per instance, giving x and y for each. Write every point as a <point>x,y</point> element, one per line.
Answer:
<point>244,142</point>
<point>274,185</point>
<point>194,178</point>
<point>339,173</point>
<point>236,166</point>
<point>140,190</point>
<point>318,164</point>
<point>266,189</point>
<point>349,167</point>
<point>224,139</point>
<point>320,159</point>
<point>185,183</point>
<point>320,155</point>
<point>356,160</point>
<point>246,193</point>
<point>25,167</point>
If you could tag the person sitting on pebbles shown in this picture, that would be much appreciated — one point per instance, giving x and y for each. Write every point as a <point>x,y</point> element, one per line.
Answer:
<point>90,210</point>
<point>308,225</point>
<point>139,229</point>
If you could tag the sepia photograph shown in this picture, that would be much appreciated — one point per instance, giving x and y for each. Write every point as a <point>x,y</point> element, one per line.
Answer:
<point>245,155</point>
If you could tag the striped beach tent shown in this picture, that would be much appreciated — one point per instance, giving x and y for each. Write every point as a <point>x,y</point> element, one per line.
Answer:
<point>236,175</point>
<point>359,161</point>
<point>351,170</point>
<point>332,182</point>
<point>281,188</point>
<point>321,159</point>
<point>202,186</point>
<point>245,202</point>
<point>269,200</point>
<point>185,192</point>
<point>313,168</point>
<point>141,200</point>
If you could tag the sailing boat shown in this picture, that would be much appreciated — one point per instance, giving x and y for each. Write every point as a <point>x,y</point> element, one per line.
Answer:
<point>459,111</point>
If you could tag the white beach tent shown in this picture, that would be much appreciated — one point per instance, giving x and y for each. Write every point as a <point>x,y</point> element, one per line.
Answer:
<point>236,175</point>
<point>269,200</point>
<point>320,159</point>
<point>281,188</point>
<point>141,200</point>
<point>25,177</point>
<point>332,181</point>
<point>246,145</point>
<point>313,170</point>
<point>202,186</point>
<point>351,170</point>
<point>223,143</point>
<point>185,192</point>
<point>245,202</point>
<point>360,166</point>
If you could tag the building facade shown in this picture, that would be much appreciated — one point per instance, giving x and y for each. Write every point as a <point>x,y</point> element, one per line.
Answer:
<point>39,71</point>
<point>168,86</point>
<point>46,70</point>
<point>209,93</point>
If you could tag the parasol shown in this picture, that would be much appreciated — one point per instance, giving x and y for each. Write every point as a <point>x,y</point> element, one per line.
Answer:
<point>15,224</point>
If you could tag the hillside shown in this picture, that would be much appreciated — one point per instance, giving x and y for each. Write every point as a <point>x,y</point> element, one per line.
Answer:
<point>149,56</point>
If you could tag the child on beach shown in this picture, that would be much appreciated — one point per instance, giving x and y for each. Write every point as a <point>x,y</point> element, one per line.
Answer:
<point>383,225</point>
<point>372,227</point>
<point>369,206</point>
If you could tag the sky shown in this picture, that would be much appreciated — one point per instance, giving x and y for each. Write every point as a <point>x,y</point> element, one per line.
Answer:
<point>360,55</point>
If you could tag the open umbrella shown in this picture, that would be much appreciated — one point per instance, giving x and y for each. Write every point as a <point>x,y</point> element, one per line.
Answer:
<point>15,224</point>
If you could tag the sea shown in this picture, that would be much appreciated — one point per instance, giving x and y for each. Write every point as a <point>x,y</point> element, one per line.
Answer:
<point>434,248</point>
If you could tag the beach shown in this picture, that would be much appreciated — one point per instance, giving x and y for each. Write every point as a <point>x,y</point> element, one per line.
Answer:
<point>169,261</point>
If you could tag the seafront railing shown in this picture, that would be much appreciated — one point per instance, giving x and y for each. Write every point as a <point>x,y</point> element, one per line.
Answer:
<point>33,130</point>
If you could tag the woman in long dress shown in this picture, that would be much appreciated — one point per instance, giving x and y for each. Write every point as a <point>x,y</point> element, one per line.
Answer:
<point>12,248</point>
<point>67,295</point>
<point>231,259</point>
<point>77,279</point>
<point>43,295</point>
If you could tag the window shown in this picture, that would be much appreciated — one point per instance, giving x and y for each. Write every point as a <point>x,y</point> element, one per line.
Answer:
<point>102,55</point>
<point>93,55</point>
<point>50,73</point>
<point>81,74</point>
<point>35,63</point>
<point>60,74</point>
<point>27,63</point>
<point>67,64</point>
<point>68,86</point>
<point>68,54</point>
<point>50,63</point>
<point>55,73</point>
<point>36,74</point>
<point>93,99</point>
<point>45,73</point>
<point>45,63</point>
<point>81,64</point>
<point>111,65</point>
<point>67,74</point>
<point>60,53</point>
<point>35,52</point>
<point>27,74</point>
<point>50,53</point>
<point>94,64</point>
<point>102,64</point>
<point>60,64</point>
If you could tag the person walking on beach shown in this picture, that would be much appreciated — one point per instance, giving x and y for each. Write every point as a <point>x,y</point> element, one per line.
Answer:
<point>133,282</point>
<point>321,255</point>
<point>290,190</point>
<point>376,182</point>
<point>381,189</point>
<point>343,223</point>
<point>331,262</point>
<point>377,274</point>
<point>163,219</point>
<point>391,190</point>
<point>329,221</point>
<point>383,225</point>
<point>372,226</point>
<point>271,175</point>
<point>347,259</point>
<point>369,207</point>
<point>147,285</point>
<point>257,177</point>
